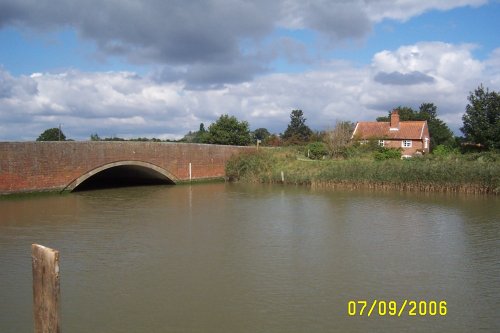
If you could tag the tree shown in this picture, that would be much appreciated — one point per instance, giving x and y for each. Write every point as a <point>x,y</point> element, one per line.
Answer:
<point>95,137</point>
<point>297,130</point>
<point>427,111</point>
<point>273,140</point>
<point>229,131</point>
<point>482,118</point>
<point>200,136</point>
<point>405,114</point>
<point>439,132</point>
<point>52,134</point>
<point>261,134</point>
<point>189,137</point>
<point>337,140</point>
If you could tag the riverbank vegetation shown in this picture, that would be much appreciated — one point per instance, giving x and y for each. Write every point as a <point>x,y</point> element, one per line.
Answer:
<point>477,173</point>
<point>470,164</point>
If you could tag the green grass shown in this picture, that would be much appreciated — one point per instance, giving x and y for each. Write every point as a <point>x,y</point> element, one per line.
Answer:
<point>457,173</point>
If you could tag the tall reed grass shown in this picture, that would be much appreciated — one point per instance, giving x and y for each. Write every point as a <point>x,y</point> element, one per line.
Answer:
<point>452,174</point>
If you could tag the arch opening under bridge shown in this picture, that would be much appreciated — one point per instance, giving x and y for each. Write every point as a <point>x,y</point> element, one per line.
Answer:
<point>122,174</point>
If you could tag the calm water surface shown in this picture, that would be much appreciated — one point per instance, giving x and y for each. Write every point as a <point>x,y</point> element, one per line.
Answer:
<point>240,258</point>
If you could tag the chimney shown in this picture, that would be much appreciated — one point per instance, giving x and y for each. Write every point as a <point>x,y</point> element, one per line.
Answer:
<point>394,121</point>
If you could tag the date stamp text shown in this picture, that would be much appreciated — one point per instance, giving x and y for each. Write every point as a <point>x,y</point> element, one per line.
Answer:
<point>393,308</point>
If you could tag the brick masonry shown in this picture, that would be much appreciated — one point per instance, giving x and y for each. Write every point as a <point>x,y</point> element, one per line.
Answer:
<point>44,166</point>
<point>416,146</point>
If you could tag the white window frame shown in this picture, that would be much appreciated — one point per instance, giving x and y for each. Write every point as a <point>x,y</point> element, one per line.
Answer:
<point>406,143</point>
<point>381,143</point>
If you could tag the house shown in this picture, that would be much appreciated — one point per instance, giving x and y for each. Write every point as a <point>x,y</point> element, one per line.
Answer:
<point>411,136</point>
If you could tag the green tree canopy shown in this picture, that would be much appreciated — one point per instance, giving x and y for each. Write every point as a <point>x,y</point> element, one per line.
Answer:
<point>200,136</point>
<point>297,129</point>
<point>438,130</point>
<point>405,114</point>
<point>261,134</point>
<point>229,131</point>
<point>95,137</point>
<point>52,134</point>
<point>482,118</point>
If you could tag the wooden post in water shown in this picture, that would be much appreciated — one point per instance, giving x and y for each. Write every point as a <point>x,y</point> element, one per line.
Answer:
<point>46,291</point>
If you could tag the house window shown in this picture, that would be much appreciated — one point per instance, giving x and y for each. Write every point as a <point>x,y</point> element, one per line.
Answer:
<point>426,143</point>
<point>381,143</point>
<point>406,143</point>
<point>363,142</point>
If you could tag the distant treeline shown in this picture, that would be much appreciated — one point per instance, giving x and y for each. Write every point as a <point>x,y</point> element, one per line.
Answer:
<point>96,137</point>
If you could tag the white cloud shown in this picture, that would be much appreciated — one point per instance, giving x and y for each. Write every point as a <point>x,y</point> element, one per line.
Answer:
<point>202,41</point>
<point>493,66</point>
<point>125,104</point>
<point>405,9</point>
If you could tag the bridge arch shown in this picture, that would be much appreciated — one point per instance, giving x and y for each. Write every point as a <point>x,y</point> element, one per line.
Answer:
<point>142,169</point>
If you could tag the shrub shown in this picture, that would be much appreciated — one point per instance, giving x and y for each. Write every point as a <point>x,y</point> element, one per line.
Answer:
<point>316,150</point>
<point>387,154</point>
<point>485,156</point>
<point>443,151</point>
<point>250,166</point>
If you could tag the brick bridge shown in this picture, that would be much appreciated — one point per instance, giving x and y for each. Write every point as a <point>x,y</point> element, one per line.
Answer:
<point>58,166</point>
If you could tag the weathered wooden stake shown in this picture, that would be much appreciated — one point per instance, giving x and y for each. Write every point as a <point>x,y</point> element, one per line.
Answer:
<point>46,291</point>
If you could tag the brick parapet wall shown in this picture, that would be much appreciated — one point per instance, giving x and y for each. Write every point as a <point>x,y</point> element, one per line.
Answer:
<point>40,166</point>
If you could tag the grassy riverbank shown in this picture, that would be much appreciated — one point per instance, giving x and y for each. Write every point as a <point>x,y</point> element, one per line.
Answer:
<point>453,173</point>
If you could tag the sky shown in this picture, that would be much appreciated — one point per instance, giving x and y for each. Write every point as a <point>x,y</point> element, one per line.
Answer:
<point>159,68</point>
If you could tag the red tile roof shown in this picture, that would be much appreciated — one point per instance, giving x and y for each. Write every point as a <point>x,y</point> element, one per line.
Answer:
<point>381,130</point>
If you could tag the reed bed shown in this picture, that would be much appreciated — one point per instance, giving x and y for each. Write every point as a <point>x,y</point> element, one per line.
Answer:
<point>459,174</point>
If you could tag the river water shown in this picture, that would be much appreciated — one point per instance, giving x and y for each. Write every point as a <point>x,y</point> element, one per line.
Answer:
<point>253,258</point>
